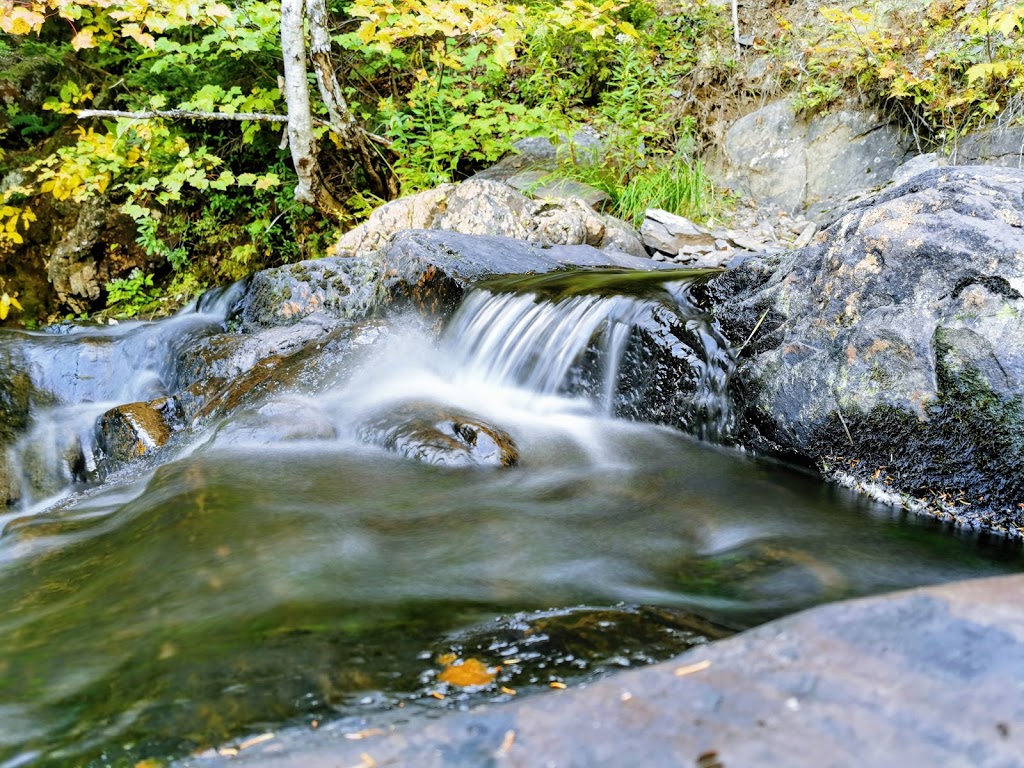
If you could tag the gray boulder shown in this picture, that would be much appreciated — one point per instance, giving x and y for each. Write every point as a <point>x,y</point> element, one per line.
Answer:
<point>777,158</point>
<point>485,207</point>
<point>890,352</point>
<point>998,146</point>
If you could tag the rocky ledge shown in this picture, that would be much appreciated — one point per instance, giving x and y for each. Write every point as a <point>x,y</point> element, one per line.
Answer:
<point>889,353</point>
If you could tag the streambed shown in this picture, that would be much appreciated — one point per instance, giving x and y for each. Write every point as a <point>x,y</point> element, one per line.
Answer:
<point>230,586</point>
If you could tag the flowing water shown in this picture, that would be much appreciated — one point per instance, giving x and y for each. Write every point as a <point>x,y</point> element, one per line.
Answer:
<point>239,585</point>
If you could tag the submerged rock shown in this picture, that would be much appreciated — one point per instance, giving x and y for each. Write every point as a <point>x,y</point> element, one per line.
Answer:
<point>917,678</point>
<point>433,434</point>
<point>890,352</point>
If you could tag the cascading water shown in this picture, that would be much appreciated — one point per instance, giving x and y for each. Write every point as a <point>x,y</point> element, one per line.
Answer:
<point>270,567</point>
<point>75,376</point>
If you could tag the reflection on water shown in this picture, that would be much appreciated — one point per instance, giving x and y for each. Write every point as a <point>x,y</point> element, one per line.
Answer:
<point>239,587</point>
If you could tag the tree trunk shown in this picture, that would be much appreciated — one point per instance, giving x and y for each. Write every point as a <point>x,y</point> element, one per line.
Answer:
<point>355,140</point>
<point>310,188</point>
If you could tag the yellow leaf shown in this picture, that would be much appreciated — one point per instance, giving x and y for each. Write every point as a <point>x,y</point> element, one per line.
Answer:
<point>21,21</point>
<point>469,673</point>
<point>366,32</point>
<point>83,39</point>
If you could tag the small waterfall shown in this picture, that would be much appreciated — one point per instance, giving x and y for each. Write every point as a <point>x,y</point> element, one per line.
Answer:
<point>78,374</point>
<point>517,340</point>
<point>650,358</point>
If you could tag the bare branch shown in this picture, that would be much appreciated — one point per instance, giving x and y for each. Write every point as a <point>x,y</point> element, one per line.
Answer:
<point>182,114</point>
<point>185,114</point>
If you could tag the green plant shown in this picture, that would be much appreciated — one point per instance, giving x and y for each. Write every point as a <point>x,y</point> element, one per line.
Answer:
<point>130,295</point>
<point>943,70</point>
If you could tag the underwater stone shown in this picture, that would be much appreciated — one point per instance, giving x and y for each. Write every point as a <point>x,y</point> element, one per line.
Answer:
<point>436,435</point>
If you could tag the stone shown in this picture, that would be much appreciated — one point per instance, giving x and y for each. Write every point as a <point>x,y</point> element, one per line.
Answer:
<point>917,678</point>
<point>442,436</point>
<point>669,233</point>
<point>746,243</point>
<point>485,207</point>
<point>805,236</point>
<point>890,351</point>
<point>541,153</point>
<point>918,164</point>
<point>279,420</point>
<point>428,270</point>
<point>997,146</point>
<point>128,432</point>
<point>776,158</point>
<point>541,185</point>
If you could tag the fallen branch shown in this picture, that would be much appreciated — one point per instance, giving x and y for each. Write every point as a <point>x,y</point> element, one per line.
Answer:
<point>187,114</point>
<point>183,114</point>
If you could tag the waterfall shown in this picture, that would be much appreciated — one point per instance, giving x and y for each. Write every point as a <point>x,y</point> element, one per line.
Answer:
<point>615,350</point>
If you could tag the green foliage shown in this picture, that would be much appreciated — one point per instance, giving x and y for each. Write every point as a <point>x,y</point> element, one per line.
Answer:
<point>942,70</point>
<point>132,294</point>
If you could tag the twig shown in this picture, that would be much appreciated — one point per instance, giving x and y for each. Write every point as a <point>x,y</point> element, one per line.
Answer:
<point>846,429</point>
<point>736,25</point>
<point>756,326</point>
<point>187,114</point>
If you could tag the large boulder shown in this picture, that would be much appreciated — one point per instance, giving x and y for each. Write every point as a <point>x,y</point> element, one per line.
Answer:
<point>485,207</point>
<point>890,352</point>
<point>777,158</point>
<point>429,269</point>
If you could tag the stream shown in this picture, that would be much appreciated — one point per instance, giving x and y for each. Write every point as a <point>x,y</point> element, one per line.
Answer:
<point>271,567</point>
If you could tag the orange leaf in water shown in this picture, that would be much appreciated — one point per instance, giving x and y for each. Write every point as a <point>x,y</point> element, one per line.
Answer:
<point>469,672</point>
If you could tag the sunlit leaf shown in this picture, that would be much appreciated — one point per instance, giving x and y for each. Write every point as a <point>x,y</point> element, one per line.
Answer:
<point>468,673</point>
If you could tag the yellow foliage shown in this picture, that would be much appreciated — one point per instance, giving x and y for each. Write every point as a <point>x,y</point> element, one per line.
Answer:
<point>6,302</point>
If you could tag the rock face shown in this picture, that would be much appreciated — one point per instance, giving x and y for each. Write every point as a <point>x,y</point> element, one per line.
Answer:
<point>779,159</point>
<point>485,207</point>
<point>891,350</point>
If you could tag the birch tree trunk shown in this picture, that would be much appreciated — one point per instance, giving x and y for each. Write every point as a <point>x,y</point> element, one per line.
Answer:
<point>354,139</point>
<point>310,188</point>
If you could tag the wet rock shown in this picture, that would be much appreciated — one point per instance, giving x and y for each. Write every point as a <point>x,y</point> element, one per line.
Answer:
<point>436,435</point>
<point>322,363</point>
<point>777,158</point>
<point>10,488</point>
<point>228,355</point>
<point>890,352</point>
<point>130,431</point>
<point>483,207</point>
<point>15,395</point>
<point>429,270</point>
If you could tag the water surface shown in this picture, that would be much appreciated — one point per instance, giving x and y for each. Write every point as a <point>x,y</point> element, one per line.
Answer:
<point>244,584</point>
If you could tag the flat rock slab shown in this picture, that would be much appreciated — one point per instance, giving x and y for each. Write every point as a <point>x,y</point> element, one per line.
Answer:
<point>926,677</point>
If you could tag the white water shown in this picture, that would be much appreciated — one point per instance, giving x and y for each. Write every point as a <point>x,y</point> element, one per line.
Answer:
<point>79,375</point>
